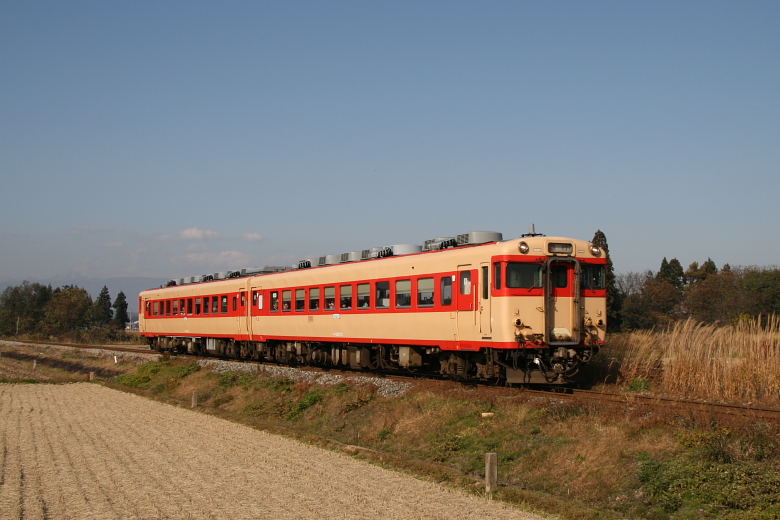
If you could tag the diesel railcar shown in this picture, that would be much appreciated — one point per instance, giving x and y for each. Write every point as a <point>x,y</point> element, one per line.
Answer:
<point>475,306</point>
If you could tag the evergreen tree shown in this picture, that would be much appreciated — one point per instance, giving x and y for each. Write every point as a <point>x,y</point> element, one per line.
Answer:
<point>665,272</point>
<point>678,274</point>
<point>120,306</point>
<point>101,308</point>
<point>613,297</point>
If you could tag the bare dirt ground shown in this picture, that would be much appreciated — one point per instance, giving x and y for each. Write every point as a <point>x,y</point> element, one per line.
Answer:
<point>84,451</point>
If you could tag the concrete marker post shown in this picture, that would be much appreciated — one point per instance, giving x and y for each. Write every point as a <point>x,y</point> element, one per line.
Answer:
<point>491,472</point>
<point>35,363</point>
<point>91,376</point>
<point>194,399</point>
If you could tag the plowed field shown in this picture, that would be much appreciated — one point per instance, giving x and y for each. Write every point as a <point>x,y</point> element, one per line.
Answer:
<point>84,451</point>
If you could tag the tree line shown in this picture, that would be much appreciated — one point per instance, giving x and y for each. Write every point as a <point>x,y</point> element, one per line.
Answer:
<point>701,292</point>
<point>36,309</point>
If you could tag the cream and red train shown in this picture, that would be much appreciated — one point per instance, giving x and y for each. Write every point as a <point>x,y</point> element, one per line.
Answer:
<point>527,310</point>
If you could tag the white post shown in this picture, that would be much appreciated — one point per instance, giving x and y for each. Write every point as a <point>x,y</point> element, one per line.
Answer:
<point>194,399</point>
<point>491,472</point>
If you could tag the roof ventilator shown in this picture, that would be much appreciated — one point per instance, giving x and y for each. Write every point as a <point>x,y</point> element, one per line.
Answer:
<point>478,237</point>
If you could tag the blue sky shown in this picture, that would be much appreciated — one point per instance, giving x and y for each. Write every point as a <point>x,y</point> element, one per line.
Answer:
<point>169,139</point>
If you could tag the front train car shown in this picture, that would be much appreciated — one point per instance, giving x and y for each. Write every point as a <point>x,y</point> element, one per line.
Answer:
<point>471,307</point>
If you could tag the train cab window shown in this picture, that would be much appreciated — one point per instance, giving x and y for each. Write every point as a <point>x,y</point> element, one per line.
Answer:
<point>215,305</point>
<point>314,299</point>
<point>286,298</point>
<point>206,305</point>
<point>363,296</point>
<point>300,300</point>
<point>224,304</point>
<point>197,306</point>
<point>148,308</point>
<point>403,294</point>
<point>235,303</point>
<point>382,293</point>
<point>425,292</point>
<point>189,306</point>
<point>330,298</point>
<point>445,290</point>
<point>274,301</point>
<point>560,276</point>
<point>465,282</point>
<point>523,276</point>
<point>167,307</point>
<point>345,297</point>
<point>497,276</point>
<point>155,308</point>
<point>592,277</point>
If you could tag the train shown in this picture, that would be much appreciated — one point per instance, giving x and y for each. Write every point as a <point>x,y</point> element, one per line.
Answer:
<point>473,307</point>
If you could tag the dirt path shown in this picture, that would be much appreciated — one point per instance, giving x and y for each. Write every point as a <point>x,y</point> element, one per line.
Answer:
<point>84,451</point>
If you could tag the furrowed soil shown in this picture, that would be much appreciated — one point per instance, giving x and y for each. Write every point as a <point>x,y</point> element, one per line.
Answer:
<point>85,451</point>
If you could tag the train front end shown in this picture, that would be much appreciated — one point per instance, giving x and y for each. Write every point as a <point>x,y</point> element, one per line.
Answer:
<point>550,294</point>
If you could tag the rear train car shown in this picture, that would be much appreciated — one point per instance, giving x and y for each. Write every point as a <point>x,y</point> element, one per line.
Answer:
<point>526,310</point>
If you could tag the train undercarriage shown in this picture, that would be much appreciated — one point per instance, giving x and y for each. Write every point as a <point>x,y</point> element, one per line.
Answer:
<point>540,364</point>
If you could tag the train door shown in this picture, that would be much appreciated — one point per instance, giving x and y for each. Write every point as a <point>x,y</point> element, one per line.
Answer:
<point>485,325</point>
<point>142,314</point>
<point>241,316</point>
<point>255,307</point>
<point>466,309</point>
<point>562,302</point>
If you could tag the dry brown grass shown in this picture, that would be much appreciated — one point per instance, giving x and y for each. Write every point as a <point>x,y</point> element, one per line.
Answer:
<point>691,359</point>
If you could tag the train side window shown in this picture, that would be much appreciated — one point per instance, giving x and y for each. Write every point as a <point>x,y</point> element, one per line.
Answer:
<point>197,306</point>
<point>314,299</point>
<point>224,304</point>
<point>175,307</point>
<point>497,276</point>
<point>274,301</point>
<point>206,305</point>
<point>330,298</point>
<point>403,294</point>
<point>189,306</point>
<point>257,300</point>
<point>235,303</point>
<point>183,306</point>
<point>465,282</point>
<point>363,296</point>
<point>485,283</point>
<point>243,299</point>
<point>167,307</point>
<point>425,292</point>
<point>286,297</point>
<point>155,307</point>
<point>345,297</point>
<point>445,290</point>
<point>300,300</point>
<point>215,305</point>
<point>383,295</point>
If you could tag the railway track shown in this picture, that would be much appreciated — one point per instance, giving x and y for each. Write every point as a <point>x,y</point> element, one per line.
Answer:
<point>631,399</point>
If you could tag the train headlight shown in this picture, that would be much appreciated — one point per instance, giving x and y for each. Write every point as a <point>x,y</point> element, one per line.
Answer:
<point>523,247</point>
<point>595,250</point>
